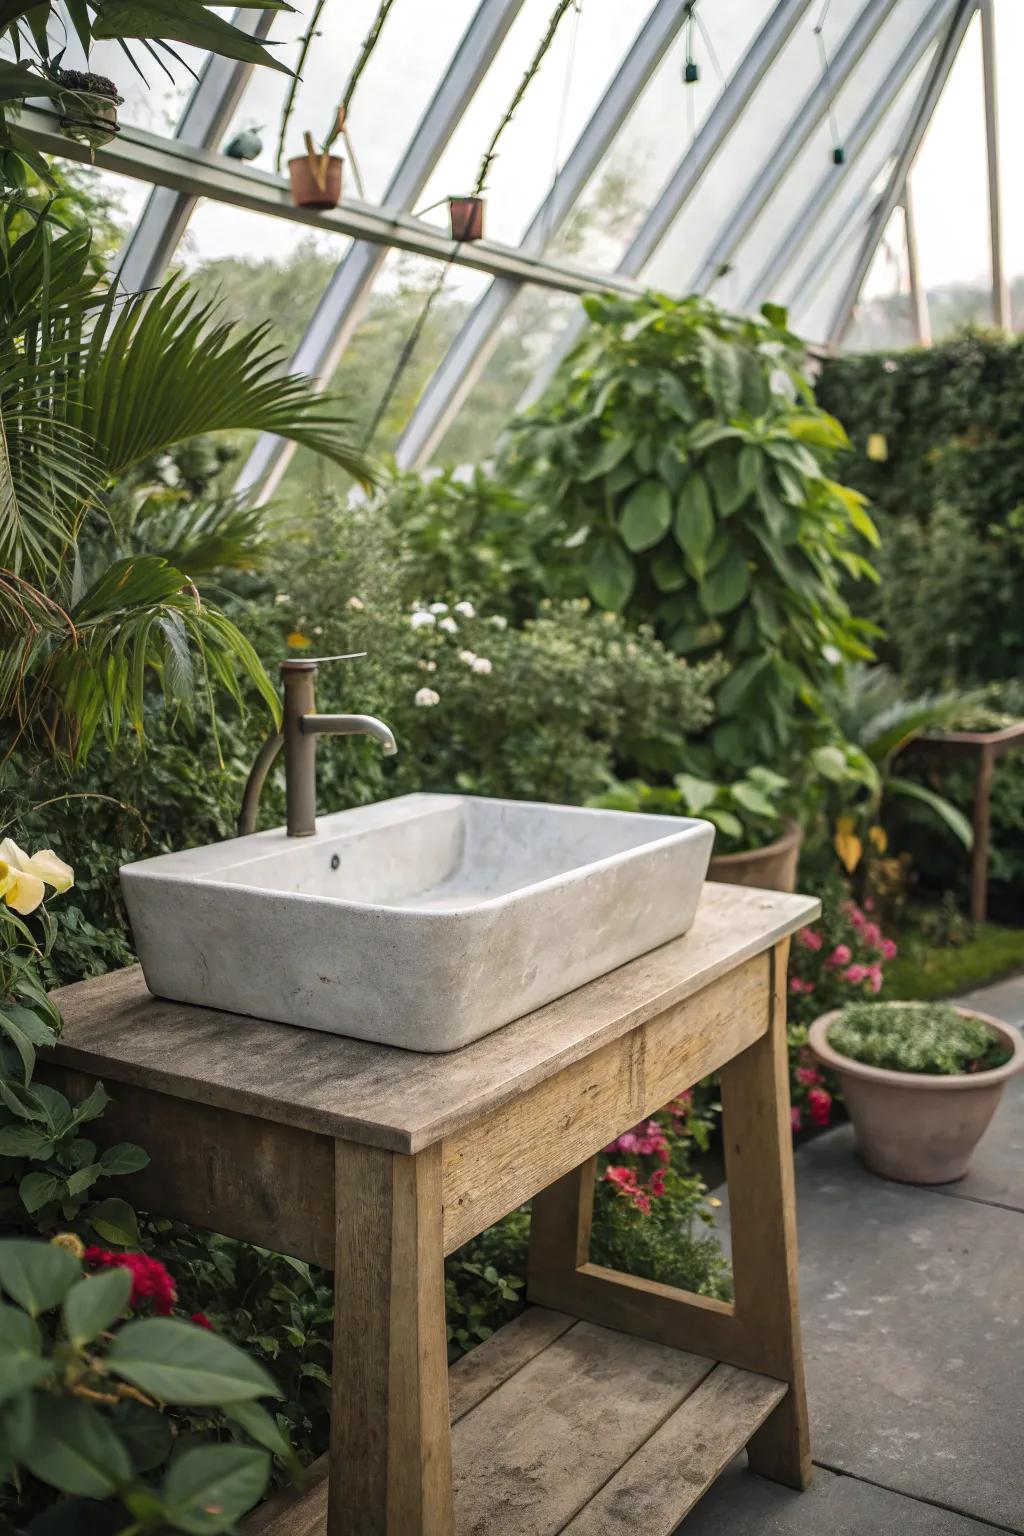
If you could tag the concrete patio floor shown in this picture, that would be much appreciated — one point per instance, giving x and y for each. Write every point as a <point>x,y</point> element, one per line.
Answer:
<point>913,1325</point>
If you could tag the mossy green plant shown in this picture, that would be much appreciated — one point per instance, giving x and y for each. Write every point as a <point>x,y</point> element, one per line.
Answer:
<point>931,1038</point>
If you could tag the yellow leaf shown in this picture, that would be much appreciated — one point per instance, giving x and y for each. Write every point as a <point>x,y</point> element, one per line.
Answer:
<point>878,837</point>
<point>299,641</point>
<point>847,844</point>
<point>878,447</point>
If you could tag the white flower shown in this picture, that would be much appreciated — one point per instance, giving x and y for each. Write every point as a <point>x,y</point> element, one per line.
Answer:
<point>23,880</point>
<point>499,621</point>
<point>318,629</point>
<point>426,698</point>
<point>468,657</point>
<point>466,609</point>
<point>832,654</point>
<point>439,607</point>
<point>356,603</point>
<point>428,666</point>
<point>282,597</point>
<point>482,665</point>
<point>422,620</point>
<point>449,626</point>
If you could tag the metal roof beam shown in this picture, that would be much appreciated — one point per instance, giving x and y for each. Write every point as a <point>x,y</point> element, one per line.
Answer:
<point>468,354</point>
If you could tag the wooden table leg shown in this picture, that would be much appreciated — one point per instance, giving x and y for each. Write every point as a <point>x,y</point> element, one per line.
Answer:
<point>759,1171</point>
<point>390,1455</point>
<point>982,824</point>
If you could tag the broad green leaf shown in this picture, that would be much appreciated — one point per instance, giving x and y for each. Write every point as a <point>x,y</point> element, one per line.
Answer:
<point>115,1222</point>
<point>39,1189</point>
<point>697,794</point>
<point>610,574</point>
<point>145,1431</point>
<point>37,1275</point>
<point>92,1106</point>
<point>646,515</point>
<point>748,798</point>
<point>21,1363</point>
<point>722,469</point>
<point>695,520</point>
<point>776,314</point>
<point>125,1157</point>
<point>94,1303</point>
<point>947,813</point>
<point>25,1141</point>
<point>725,821</point>
<point>207,1489</point>
<point>738,685</point>
<point>726,585</point>
<point>75,1449</point>
<point>180,1363</point>
<point>722,376</point>
<point>668,572</point>
<point>260,1426</point>
<point>181,21</point>
<point>611,452</point>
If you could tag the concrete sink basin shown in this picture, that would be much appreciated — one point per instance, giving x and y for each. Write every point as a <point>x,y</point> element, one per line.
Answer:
<point>424,922</point>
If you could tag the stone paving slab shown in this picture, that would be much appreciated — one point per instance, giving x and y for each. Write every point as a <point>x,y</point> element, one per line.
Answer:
<point>996,1174</point>
<point>913,1325</point>
<point>1003,999</point>
<point>741,1504</point>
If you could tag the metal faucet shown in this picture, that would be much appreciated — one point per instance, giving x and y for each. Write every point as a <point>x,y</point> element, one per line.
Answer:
<point>300,728</point>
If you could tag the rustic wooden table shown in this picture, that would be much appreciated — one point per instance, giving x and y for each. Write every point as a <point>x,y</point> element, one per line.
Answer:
<point>612,1404</point>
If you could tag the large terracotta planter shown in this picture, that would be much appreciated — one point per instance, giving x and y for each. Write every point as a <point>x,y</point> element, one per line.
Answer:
<point>772,868</point>
<point>913,1126</point>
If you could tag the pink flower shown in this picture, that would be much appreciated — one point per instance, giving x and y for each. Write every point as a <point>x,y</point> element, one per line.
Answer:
<point>871,934</point>
<point>889,949</point>
<point>796,1120</point>
<point>856,917</point>
<point>647,1140</point>
<point>841,955</point>
<point>819,1103</point>
<point>658,1181</point>
<point>643,1203</point>
<point>808,1075</point>
<point>798,986</point>
<point>855,974</point>
<point>875,977</point>
<point>809,939</point>
<point>624,1177</point>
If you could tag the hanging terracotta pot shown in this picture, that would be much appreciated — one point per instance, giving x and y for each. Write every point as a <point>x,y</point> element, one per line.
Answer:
<point>315,178</point>
<point>88,106</point>
<point>467,218</point>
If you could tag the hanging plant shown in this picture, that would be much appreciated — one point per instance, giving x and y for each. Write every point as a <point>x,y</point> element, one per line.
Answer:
<point>466,211</point>
<point>88,106</point>
<point>316,176</point>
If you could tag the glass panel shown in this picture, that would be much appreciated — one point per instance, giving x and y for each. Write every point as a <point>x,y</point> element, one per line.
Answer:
<point>677,261</point>
<point>1009,51</point>
<point>951,194</point>
<point>587,50</point>
<point>109,204</point>
<point>884,319</point>
<point>260,267</point>
<point>405,68</point>
<point>815,157</point>
<point>526,336</point>
<point>662,123</point>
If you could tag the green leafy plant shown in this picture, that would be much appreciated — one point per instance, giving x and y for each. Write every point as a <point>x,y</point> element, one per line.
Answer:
<point>692,474</point>
<point>746,813</point>
<point>916,1037</point>
<point>91,384</point>
<point>86,1389</point>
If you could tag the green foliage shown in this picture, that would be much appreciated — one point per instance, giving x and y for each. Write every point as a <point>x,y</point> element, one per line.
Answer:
<point>84,1396</point>
<point>940,969</point>
<point>682,452</point>
<point>746,813</point>
<point>916,1037</point>
<point>950,492</point>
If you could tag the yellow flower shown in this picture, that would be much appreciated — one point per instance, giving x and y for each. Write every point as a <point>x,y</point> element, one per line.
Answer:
<point>878,447</point>
<point>23,880</point>
<point>878,838</point>
<point>298,641</point>
<point>70,1242</point>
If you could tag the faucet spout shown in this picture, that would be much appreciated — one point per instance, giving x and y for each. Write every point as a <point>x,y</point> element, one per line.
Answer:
<point>301,727</point>
<point>350,725</point>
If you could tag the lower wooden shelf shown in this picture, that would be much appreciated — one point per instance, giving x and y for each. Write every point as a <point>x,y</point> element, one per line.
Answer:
<point>560,1426</point>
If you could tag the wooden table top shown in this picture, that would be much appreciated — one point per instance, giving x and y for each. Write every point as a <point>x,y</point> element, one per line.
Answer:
<point>380,1095</point>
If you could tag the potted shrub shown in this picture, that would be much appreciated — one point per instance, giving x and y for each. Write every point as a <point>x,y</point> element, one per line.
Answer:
<point>759,845</point>
<point>921,1082</point>
<point>88,106</point>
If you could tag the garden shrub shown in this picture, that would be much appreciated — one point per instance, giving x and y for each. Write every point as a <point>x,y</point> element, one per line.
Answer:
<point>691,472</point>
<point>916,1037</point>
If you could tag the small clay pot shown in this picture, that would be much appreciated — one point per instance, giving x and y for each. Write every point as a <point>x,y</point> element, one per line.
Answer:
<point>315,180</point>
<point>467,218</point>
<point>918,1127</point>
<point>771,868</point>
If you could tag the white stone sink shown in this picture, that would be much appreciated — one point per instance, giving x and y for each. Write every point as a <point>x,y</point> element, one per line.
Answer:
<point>424,921</point>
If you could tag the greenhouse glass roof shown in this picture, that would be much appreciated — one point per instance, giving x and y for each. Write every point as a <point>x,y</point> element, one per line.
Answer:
<point>754,150</point>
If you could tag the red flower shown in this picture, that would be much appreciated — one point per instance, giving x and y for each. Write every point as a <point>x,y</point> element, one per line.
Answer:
<point>819,1104</point>
<point>201,1320</point>
<point>150,1280</point>
<point>796,1120</point>
<point>658,1181</point>
<point>808,1075</point>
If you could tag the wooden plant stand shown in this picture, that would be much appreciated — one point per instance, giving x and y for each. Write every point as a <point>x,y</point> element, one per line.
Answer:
<point>612,1404</point>
<point>982,748</point>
